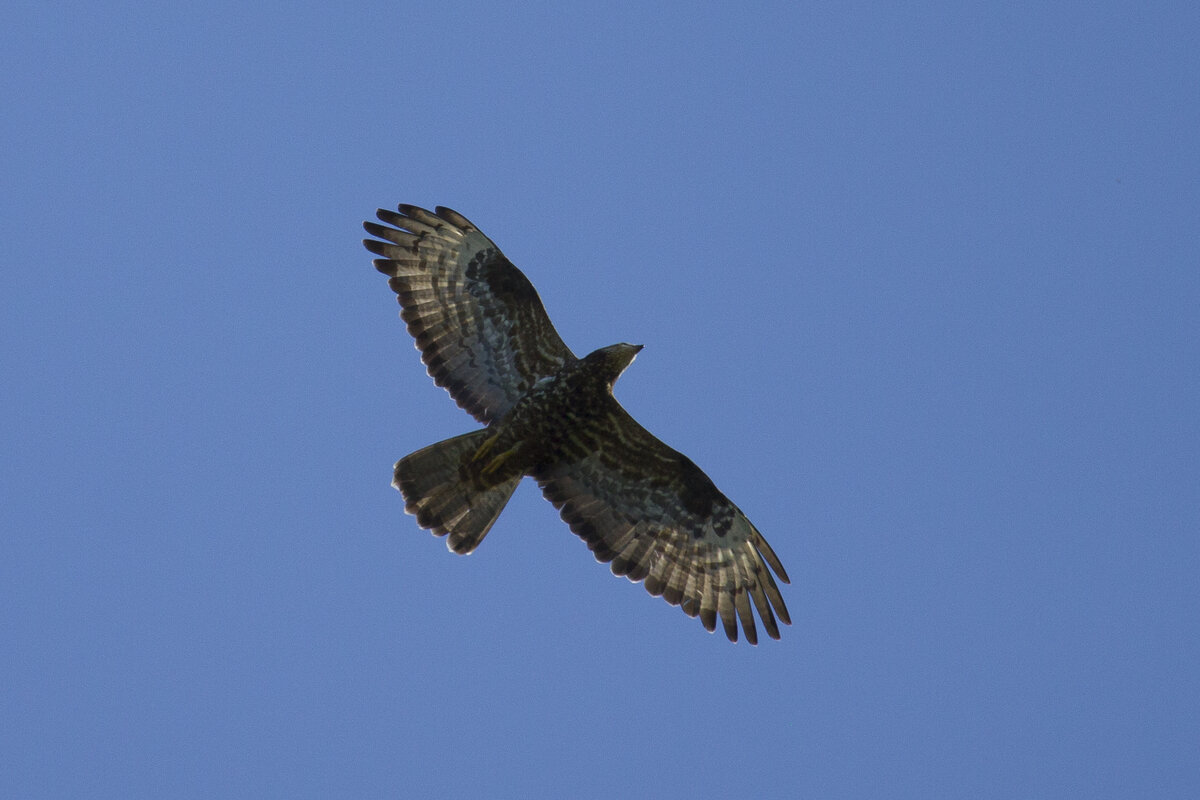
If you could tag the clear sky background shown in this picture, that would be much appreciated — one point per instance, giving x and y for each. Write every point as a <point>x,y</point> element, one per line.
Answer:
<point>919,286</point>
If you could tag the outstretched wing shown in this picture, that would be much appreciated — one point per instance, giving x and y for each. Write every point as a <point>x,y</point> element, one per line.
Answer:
<point>657,517</point>
<point>479,324</point>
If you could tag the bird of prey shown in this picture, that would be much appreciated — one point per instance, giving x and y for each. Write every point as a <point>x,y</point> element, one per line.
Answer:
<point>486,338</point>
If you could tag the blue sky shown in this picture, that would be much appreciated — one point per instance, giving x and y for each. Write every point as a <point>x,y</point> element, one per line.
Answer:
<point>918,287</point>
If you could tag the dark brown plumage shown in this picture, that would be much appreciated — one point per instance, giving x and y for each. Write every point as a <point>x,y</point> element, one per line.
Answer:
<point>640,505</point>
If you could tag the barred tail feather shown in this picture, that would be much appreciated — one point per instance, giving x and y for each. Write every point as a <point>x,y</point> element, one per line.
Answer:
<point>442,501</point>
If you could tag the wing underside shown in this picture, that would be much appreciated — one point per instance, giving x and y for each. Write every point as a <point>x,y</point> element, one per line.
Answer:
<point>656,517</point>
<point>481,328</point>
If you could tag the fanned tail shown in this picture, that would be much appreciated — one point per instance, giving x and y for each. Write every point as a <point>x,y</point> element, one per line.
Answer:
<point>443,500</point>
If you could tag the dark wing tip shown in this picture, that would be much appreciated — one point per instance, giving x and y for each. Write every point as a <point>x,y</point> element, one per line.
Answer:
<point>385,232</point>
<point>412,212</point>
<point>377,247</point>
<point>454,218</point>
<point>769,556</point>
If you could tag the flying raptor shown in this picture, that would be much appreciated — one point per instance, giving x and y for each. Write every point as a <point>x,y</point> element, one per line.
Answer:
<point>641,506</point>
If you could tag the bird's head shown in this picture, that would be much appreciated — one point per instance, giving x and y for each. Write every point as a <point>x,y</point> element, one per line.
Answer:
<point>611,361</point>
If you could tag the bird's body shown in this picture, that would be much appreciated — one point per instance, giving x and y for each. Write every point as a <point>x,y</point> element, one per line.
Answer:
<point>557,419</point>
<point>647,509</point>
